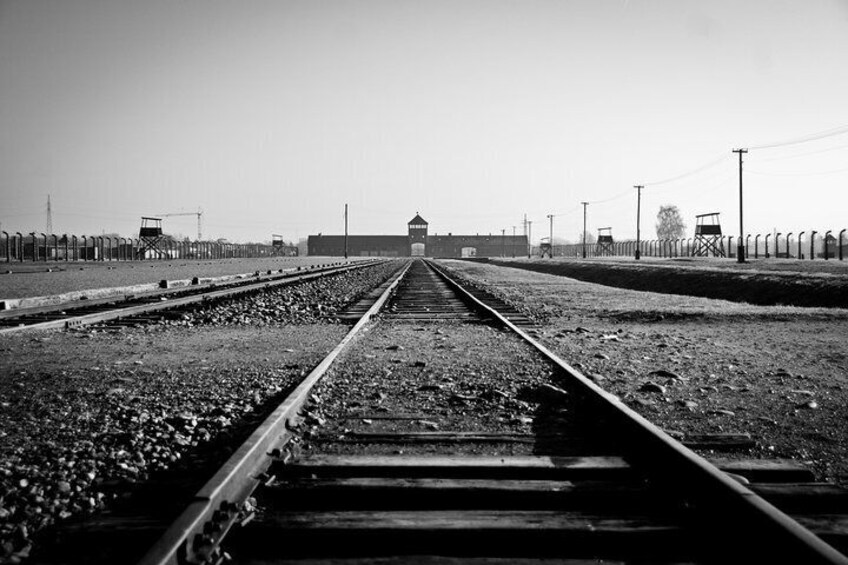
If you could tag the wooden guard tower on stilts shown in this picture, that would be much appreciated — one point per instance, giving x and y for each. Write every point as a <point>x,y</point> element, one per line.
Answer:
<point>277,244</point>
<point>708,239</point>
<point>150,236</point>
<point>605,242</point>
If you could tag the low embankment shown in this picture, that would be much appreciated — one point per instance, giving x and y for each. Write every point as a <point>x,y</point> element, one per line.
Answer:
<point>752,284</point>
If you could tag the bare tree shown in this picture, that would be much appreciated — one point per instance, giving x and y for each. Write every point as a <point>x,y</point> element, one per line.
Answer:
<point>590,237</point>
<point>670,223</point>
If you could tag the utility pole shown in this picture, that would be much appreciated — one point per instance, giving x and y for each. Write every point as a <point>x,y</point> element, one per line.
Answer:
<point>49,217</point>
<point>345,240</point>
<point>638,188</point>
<point>740,248</point>
<point>503,242</point>
<point>529,238</point>
<point>551,236</point>
<point>513,242</point>
<point>584,227</point>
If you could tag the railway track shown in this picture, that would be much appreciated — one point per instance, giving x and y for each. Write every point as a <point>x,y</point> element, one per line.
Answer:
<point>149,306</point>
<point>379,459</point>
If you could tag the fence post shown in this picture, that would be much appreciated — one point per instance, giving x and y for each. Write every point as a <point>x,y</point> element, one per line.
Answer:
<point>840,244</point>
<point>826,235</point>
<point>813,244</point>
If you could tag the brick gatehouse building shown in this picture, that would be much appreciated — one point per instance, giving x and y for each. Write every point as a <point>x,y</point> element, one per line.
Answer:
<point>418,243</point>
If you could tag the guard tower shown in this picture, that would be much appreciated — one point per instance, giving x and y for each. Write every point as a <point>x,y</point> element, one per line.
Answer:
<point>417,236</point>
<point>605,242</point>
<point>277,244</point>
<point>150,236</point>
<point>708,238</point>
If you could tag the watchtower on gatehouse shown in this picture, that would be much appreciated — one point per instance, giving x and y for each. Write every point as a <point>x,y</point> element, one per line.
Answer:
<point>417,227</point>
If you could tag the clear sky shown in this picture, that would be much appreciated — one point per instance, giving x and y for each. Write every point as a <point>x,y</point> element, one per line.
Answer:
<point>271,115</point>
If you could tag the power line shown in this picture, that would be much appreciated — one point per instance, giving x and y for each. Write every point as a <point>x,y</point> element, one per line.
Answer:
<point>798,174</point>
<point>804,139</point>
<point>723,177</point>
<point>805,154</point>
<point>704,167</point>
<point>568,212</point>
<point>611,198</point>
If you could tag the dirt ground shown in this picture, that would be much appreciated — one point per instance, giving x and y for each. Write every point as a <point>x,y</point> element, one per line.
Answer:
<point>698,365</point>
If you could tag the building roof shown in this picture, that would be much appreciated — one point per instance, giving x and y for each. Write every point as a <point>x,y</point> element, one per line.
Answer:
<point>417,220</point>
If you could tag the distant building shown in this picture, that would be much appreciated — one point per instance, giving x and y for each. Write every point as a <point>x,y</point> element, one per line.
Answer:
<point>418,243</point>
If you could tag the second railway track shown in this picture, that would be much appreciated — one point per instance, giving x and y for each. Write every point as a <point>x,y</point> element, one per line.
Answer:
<point>439,432</point>
<point>133,309</point>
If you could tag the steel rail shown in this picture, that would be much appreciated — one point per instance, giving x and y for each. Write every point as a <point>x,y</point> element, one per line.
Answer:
<point>170,303</point>
<point>716,489</point>
<point>189,537</point>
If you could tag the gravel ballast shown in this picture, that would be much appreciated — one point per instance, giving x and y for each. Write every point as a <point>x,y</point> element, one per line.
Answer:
<point>446,377</point>
<point>697,365</point>
<point>87,414</point>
